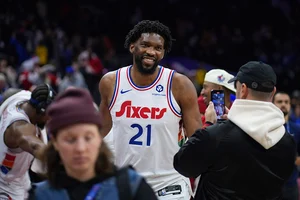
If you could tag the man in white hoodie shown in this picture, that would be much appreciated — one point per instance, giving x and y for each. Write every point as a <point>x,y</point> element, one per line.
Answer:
<point>250,155</point>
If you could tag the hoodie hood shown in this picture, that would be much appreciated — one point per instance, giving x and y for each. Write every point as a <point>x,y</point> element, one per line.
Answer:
<point>262,121</point>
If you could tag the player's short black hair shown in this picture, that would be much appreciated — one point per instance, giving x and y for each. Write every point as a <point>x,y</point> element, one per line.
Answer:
<point>40,93</point>
<point>147,26</point>
<point>41,97</point>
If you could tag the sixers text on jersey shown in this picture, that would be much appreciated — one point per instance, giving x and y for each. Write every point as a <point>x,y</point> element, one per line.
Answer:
<point>140,112</point>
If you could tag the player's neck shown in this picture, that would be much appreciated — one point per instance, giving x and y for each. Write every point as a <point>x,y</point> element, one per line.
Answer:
<point>140,79</point>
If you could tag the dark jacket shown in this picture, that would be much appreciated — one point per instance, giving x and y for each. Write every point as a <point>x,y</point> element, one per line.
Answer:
<point>235,166</point>
<point>118,186</point>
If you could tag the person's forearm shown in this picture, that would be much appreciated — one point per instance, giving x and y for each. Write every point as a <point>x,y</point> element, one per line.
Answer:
<point>31,145</point>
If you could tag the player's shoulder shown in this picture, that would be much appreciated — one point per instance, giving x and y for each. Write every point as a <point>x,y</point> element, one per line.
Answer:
<point>180,80</point>
<point>179,77</point>
<point>108,79</point>
<point>109,75</point>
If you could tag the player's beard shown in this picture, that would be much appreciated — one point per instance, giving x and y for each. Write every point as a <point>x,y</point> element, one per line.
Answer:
<point>144,70</point>
<point>285,113</point>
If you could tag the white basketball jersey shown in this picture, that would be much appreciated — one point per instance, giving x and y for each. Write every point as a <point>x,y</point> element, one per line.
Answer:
<point>146,127</point>
<point>14,163</point>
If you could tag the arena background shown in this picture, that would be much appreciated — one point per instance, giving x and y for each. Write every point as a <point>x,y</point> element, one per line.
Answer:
<point>40,40</point>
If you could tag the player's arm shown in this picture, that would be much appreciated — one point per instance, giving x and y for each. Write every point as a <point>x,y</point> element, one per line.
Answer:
<point>106,89</point>
<point>22,134</point>
<point>186,95</point>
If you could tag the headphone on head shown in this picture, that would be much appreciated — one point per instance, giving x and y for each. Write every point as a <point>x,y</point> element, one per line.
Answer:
<point>41,106</point>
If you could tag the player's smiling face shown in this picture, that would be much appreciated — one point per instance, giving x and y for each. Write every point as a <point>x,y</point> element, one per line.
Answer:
<point>148,50</point>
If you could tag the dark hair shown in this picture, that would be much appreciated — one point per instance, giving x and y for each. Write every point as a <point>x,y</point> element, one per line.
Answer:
<point>280,92</point>
<point>147,26</point>
<point>41,97</point>
<point>52,162</point>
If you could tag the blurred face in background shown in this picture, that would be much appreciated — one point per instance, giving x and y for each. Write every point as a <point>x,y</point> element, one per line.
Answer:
<point>78,146</point>
<point>283,102</point>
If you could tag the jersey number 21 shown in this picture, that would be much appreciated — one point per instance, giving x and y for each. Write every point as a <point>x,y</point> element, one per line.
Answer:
<point>135,139</point>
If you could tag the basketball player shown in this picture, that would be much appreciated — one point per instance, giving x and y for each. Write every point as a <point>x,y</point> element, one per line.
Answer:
<point>144,104</point>
<point>22,117</point>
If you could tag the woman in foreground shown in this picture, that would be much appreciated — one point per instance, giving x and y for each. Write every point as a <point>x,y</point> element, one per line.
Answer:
<point>78,161</point>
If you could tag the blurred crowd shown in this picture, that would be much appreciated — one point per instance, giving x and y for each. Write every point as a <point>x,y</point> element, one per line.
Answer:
<point>73,43</point>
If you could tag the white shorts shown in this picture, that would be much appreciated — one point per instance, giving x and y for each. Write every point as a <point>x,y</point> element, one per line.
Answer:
<point>177,191</point>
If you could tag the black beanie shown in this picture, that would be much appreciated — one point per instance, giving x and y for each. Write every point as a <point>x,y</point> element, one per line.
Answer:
<point>72,106</point>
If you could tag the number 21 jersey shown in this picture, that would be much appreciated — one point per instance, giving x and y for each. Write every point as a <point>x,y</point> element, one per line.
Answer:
<point>146,126</point>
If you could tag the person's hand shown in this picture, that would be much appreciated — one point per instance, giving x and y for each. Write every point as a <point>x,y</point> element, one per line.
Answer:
<point>225,116</point>
<point>210,113</point>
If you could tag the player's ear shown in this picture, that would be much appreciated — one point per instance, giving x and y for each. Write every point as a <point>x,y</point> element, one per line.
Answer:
<point>131,48</point>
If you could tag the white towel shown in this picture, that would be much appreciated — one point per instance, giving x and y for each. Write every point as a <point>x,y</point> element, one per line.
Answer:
<point>37,165</point>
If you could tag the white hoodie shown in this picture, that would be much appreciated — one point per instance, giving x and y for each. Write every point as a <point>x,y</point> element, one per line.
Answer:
<point>262,121</point>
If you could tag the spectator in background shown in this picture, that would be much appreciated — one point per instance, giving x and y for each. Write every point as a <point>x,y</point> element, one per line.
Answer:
<point>42,52</point>
<point>47,74</point>
<point>29,75</point>
<point>283,101</point>
<point>3,86</point>
<point>3,83</point>
<point>17,42</point>
<point>295,112</point>
<point>90,62</point>
<point>72,78</point>
<point>215,44</point>
<point>215,79</point>
<point>9,72</point>
<point>91,67</point>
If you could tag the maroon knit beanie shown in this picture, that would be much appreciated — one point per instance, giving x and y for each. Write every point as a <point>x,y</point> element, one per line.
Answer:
<point>72,106</point>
